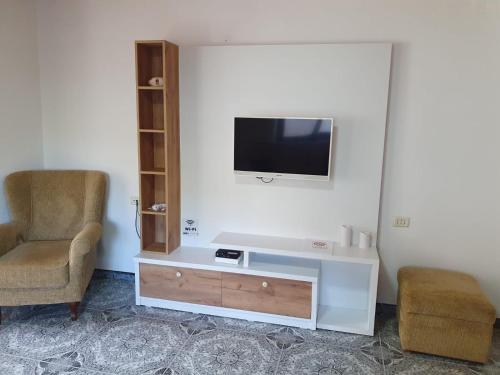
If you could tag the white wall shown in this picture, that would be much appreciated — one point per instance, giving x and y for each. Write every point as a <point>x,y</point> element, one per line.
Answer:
<point>20,121</point>
<point>348,82</point>
<point>443,140</point>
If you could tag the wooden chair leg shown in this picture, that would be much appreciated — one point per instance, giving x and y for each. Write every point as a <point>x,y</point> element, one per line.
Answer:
<point>73,307</point>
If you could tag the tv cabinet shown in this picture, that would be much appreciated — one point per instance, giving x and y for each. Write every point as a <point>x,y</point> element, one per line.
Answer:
<point>281,280</point>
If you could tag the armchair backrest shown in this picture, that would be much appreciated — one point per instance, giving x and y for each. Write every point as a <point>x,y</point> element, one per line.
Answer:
<point>55,205</point>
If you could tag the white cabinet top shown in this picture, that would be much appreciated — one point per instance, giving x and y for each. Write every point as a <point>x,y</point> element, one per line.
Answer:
<point>294,247</point>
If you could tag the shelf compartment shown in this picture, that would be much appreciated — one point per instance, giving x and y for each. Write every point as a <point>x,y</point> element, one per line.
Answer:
<point>152,152</point>
<point>152,191</point>
<point>343,319</point>
<point>153,228</point>
<point>151,109</point>
<point>149,62</point>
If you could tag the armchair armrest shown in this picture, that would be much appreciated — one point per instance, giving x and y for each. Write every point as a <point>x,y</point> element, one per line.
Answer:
<point>86,240</point>
<point>10,234</point>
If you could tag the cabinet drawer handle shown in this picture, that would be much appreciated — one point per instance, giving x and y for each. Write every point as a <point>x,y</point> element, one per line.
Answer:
<point>264,284</point>
<point>178,274</point>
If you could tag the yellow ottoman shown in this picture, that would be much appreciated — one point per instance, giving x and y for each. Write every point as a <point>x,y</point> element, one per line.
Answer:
<point>444,313</point>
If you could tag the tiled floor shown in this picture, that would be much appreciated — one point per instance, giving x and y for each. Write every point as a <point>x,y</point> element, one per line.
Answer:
<point>113,336</point>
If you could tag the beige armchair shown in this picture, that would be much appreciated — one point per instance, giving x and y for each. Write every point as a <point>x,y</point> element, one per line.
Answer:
<point>48,251</point>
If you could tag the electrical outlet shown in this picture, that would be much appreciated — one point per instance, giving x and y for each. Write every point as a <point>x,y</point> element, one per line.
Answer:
<point>134,201</point>
<point>401,222</point>
<point>190,227</point>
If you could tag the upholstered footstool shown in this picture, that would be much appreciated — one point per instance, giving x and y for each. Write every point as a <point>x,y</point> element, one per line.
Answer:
<point>444,313</point>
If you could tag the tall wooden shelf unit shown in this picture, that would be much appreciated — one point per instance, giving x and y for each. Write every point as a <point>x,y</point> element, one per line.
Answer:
<point>158,142</point>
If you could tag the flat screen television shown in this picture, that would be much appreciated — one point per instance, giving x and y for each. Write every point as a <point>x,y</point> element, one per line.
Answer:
<point>283,147</point>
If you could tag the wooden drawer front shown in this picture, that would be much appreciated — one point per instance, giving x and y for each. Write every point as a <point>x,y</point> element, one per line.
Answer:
<point>267,294</point>
<point>181,284</point>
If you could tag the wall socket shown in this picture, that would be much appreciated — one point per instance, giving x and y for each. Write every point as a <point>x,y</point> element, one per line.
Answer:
<point>134,201</point>
<point>401,222</point>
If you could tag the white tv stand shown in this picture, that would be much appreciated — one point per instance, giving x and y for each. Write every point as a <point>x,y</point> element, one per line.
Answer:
<point>281,280</point>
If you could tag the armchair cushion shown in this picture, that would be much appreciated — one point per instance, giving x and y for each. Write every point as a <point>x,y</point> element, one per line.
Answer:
<point>36,264</point>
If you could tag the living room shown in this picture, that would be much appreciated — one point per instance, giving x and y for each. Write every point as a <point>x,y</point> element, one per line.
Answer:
<point>130,155</point>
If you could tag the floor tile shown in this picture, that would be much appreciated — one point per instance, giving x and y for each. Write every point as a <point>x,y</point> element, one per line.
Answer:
<point>164,314</point>
<point>316,358</point>
<point>10,365</point>
<point>291,336</point>
<point>124,312</point>
<point>236,351</point>
<point>389,334</point>
<point>221,363</point>
<point>17,313</point>
<point>489,368</point>
<point>48,334</point>
<point>285,338</point>
<point>416,366</point>
<point>120,313</point>
<point>340,339</point>
<point>198,325</point>
<point>133,346</point>
<point>243,325</point>
<point>397,361</point>
<point>226,352</point>
<point>113,336</point>
<point>103,294</point>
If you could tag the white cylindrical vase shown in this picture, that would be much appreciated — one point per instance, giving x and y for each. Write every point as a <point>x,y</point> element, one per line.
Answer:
<point>345,235</point>
<point>365,239</point>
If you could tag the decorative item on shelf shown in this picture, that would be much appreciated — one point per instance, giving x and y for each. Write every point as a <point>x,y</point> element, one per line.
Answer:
<point>345,235</point>
<point>156,81</point>
<point>158,207</point>
<point>365,239</point>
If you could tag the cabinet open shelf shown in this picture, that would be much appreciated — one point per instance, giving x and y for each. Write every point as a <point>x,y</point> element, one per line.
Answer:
<point>149,61</point>
<point>151,109</point>
<point>152,152</point>
<point>153,190</point>
<point>153,232</point>
<point>344,319</point>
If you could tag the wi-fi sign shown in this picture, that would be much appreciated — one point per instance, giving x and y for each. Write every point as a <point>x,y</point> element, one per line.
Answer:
<point>190,227</point>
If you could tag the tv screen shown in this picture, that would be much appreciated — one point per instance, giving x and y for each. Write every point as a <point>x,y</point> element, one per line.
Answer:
<point>288,147</point>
